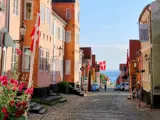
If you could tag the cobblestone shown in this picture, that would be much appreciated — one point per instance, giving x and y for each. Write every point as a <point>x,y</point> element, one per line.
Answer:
<point>101,106</point>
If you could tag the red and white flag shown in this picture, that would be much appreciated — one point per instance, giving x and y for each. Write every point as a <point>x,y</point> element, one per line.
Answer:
<point>35,28</point>
<point>102,65</point>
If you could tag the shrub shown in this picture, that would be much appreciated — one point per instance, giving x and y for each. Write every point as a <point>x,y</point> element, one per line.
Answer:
<point>64,87</point>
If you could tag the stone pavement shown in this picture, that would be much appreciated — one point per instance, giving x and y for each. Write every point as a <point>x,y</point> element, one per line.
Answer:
<point>102,105</point>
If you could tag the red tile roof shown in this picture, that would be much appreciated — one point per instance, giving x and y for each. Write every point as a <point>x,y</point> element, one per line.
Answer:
<point>134,46</point>
<point>87,52</point>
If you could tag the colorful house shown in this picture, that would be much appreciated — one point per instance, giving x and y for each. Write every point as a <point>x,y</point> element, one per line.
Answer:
<point>123,76</point>
<point>87,64</point>
<point>69,11</point>
<point>134,46</point>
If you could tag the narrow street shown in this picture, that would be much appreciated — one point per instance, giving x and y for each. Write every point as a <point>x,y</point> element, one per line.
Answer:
<point>109,105</point>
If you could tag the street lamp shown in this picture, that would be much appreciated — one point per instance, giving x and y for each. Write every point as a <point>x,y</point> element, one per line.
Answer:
<point>22,31</point>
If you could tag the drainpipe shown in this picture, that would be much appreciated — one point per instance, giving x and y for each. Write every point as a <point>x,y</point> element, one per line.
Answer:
<point>151,60</point>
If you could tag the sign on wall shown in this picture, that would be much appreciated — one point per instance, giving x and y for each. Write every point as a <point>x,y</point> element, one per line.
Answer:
<point>143,33</point>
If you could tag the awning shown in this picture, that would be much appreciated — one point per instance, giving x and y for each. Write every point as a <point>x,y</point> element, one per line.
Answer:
<point>8,42</point>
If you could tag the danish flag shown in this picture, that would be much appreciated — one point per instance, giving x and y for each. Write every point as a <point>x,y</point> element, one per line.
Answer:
<point>35,31</point>
<point>102,65</point>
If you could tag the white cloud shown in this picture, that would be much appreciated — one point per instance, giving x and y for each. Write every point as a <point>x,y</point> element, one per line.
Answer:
<point>121,47</point>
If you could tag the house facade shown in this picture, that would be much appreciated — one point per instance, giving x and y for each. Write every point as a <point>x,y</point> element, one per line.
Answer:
<point>48,64</point>
<point>69,11</point>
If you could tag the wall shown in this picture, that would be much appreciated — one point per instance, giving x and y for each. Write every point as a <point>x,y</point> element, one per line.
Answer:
<point>145,49</point>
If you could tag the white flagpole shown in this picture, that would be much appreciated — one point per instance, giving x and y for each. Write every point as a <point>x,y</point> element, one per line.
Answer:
<point>33,53</point>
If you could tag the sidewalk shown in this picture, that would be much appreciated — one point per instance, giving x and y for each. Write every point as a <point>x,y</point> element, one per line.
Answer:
<point>68,97</point>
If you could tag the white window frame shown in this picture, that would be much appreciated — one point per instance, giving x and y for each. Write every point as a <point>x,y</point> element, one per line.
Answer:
<point>15,7</point>
<point>28,1</point>
<point>68,13</point>
<point>67,67</point>
<point>42,10</point>
<point>47,59</point>
<point>68,36</point>
<point>59,33</point>
<point>14,56</point>
<point>41,60</point>
<point>51,64</point>
<point>23,59</point>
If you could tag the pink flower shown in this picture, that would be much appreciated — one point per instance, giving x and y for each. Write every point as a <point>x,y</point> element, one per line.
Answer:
<point>20,88</point>
<point>15,88</point>
<point>14,82</point>
<point>4,110</point>
<point>29,91</point>
<point>18,51</point>
<point>5,83</point>
<point>2,78</point>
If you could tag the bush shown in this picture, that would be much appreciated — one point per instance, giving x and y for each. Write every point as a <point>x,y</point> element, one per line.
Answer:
<point>64,87</point>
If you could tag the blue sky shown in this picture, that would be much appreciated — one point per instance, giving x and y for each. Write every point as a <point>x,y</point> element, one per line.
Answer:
<point>107,26</point>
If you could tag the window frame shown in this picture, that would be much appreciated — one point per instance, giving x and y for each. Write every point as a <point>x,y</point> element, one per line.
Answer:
<point>68,13</point>
<point>68,38</point>
<point>14,56</point>
<point>42,10</point>
<point>47,59</point>
<point>27,1</point>
<point>16,7</point>
<point>23,58</point>
<point>67,69</point>
<point>41,56</point>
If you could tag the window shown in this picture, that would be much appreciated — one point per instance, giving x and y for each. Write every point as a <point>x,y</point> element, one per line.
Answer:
<point>41,62</point>
<point>47,60</point>
<point>26,58</point>
<point>28,10</point>
<point>48,16</point>
<point>68,13</point>
<point>68,67</point>
<point>51,64</point>
<point>14,57</point>
<point>68,36</point>
<point>53,29</point>
<point>15,7</point>
<point>63,35</point>
<point>59,33</point>
<point>78,17</point>
<point>42,13</point>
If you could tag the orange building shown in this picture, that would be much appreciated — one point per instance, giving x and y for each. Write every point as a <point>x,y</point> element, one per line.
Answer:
<point>48,64</point>
<point>69,11</point>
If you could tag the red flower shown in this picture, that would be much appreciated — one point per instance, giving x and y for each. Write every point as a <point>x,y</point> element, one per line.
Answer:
<point>18,51</point>
<point>18,105</point>
<point>24,104</point>
<point>2,78</point>
<point>4,110</point>
<point>15,88</point>
<point>19,113</point>
<point>12,81</point>
<point>20,88</point>
<point>5,82</point>
<point>29,91</point>
<point>12,103</point>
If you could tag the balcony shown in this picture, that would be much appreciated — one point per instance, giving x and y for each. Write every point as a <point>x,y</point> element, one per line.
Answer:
<point>2,7</point>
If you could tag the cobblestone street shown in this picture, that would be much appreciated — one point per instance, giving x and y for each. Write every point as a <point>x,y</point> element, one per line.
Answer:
<point>100,106</point>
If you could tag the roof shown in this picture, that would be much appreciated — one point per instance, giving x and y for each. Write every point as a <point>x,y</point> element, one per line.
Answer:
<point>145,8</point>
<point>134,46</point>
<point>87,52</point>
<point>121,66</point>
<point>58,17</point>
<point>64,1</point>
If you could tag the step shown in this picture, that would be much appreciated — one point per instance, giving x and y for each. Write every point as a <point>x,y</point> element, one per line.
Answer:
<point>42,110</point>
<point>62,100</point>
<point>53,94</point>
<point>32,104</point>
<point>52,98</point>
<point>36,108</point>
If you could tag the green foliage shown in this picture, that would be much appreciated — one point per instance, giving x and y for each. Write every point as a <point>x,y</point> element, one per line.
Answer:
<point>102,77</point>
<point>64,87</point>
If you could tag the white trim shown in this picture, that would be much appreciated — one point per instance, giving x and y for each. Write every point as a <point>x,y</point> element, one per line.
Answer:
<point>42,20</point>
<point>28,1</point>
<point>23,58</point>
